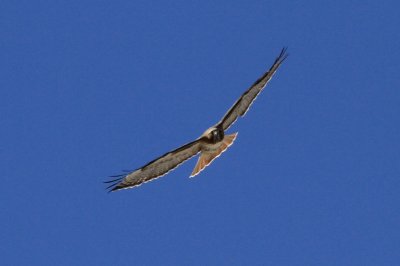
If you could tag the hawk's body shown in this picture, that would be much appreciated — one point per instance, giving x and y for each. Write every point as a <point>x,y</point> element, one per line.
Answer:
<point>210,151</point>
<point>210,144</point>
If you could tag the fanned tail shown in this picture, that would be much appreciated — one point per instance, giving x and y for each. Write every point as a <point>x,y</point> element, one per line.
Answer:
<point>206,158</point>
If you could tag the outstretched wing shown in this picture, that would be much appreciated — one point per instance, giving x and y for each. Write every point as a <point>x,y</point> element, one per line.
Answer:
<point>241,106</point>
<point>157,167</point>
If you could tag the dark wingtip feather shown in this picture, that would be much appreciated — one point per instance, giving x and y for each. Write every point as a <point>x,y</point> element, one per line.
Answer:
<point>114,180</point>
<point>114,183</point>
<point>283,55</point>
<point>114,189</point>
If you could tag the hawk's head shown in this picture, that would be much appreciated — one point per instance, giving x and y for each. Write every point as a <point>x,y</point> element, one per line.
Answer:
<point>214,134</point>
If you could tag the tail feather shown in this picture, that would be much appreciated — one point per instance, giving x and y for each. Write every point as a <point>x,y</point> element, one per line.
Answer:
<point>206,158</point>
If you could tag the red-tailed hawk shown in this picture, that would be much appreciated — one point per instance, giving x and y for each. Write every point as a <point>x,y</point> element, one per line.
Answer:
<point>210,144</point>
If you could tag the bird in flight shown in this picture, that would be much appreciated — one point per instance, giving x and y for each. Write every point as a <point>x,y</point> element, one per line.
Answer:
<point>210,144</point>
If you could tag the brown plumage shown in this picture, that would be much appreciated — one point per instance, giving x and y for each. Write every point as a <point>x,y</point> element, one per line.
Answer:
<point>211,152</point>
<point>211,144</point>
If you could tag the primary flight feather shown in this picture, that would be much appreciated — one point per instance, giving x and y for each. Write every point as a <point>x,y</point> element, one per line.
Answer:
<point>210,144</point>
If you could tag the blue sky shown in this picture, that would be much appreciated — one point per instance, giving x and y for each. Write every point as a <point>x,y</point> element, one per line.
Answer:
<point>89,88</point>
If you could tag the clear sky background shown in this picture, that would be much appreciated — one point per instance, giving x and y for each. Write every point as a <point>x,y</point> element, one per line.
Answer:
<point>89,88</point>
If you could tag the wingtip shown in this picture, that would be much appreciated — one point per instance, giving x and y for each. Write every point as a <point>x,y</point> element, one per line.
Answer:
<point>284,54</point>
<point>113,184</point>
<point>114,187</point>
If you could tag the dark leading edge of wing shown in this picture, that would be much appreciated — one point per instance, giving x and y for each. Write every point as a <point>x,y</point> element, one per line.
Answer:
<point>156,168</point>
<point>241,106</point>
